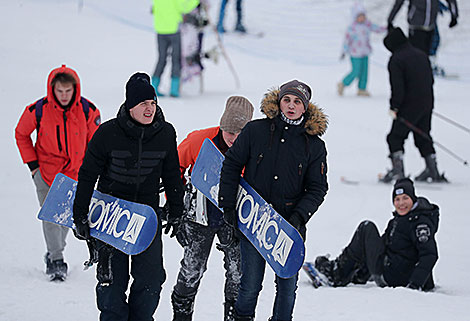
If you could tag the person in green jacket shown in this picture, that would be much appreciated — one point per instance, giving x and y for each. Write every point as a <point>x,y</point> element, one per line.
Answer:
<point>167,16</point>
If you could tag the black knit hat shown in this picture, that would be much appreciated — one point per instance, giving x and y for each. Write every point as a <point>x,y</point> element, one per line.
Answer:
<point>297,88</point>
<point>394,39</point>
<point>404,186</point>
<point>139,89</point>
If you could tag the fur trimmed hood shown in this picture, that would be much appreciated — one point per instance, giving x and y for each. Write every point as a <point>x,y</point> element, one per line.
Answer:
<point>316,120</point>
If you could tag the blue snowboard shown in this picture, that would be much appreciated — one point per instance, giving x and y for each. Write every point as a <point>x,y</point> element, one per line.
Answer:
<point>130,227</point>
<point>275,239</point>
<point>318,279</point>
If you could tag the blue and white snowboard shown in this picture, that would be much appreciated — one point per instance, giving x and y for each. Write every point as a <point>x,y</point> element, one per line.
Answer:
<point>317,278</point>
<point>130,227</point>
<point>275,239</point>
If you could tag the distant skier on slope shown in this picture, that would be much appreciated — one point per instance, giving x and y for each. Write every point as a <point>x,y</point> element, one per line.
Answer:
<point>404,255</point>
<point>411,106</point>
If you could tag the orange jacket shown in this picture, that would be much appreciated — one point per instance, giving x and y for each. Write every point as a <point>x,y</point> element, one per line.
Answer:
<point>189,148</point>
<point>63,135</point>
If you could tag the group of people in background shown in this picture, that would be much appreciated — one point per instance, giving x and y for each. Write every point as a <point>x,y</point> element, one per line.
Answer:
<point>282,156</point>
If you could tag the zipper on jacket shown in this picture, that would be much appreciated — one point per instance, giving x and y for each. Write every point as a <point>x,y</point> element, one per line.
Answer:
<point>59,145</point>
<point>139,163</point>
<point>300,169</point>
<point>65,133</point>
<point>260,158</point>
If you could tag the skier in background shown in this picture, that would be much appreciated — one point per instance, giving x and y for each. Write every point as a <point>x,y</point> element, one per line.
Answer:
<point>168,14</point>
<point>195,234</point>
<point>239,27</point>
<point>127,158</point>
<point>422,20</point>
<point>284,160</point>
<point>64,122</point>
<point>357,46</point>
<point>404,255</point>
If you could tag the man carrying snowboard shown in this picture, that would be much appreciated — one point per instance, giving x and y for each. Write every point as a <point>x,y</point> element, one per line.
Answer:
<point>284,160</point>
<point>64,122</point>
<point>128,156</point>
<point>197,238</point>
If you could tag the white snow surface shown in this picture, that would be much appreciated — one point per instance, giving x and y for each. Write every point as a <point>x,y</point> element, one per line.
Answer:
<point>106,41</point>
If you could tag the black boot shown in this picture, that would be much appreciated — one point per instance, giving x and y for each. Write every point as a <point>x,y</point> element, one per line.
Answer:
<point>229,310</point>
<point>340,271</point>
<point>397,170</point>
<point>182,307</point>
<point>430,173</point>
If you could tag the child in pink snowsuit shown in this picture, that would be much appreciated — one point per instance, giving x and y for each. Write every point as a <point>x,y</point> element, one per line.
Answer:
<point>357,46</point>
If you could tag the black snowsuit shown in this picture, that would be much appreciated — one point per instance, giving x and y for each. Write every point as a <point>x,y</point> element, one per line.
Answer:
<point>405,254</point>
<point>128,160</point>
<point>412,96</point>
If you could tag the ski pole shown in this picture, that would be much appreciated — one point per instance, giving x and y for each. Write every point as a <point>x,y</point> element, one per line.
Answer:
<point>227,58</point>
<point>462,127</point>
<point>423,134</point>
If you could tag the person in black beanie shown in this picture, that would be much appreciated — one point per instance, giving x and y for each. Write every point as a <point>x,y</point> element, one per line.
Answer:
<point>284,160</point>
<point>405,254</point>
<point>411,105</point>
<point>128,156</point>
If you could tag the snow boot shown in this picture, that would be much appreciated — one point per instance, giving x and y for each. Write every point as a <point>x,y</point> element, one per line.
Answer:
<point>430,174</point>
<point>182,307</point>
<point>49,266</point>
<point>240,28</point>
<point>155,84</point>
<point>175,87</point>
<point>58,270</point>
<point>340,88</point>
<point>229,310</point>
<point>397,170</point>
<point>339,272</point>
<point>363,93</point>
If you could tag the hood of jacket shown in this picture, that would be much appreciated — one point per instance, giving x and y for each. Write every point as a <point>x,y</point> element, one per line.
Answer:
<point>50,91</point>
<point>136,130</point>
<point>424,207</point>
<point>316,121</point>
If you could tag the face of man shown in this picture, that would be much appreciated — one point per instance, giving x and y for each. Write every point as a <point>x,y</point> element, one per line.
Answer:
<point>64,93</point>
<point>292,106</point>
<point>144,112</point>
<point>229,138</point>
<point>403,204</point>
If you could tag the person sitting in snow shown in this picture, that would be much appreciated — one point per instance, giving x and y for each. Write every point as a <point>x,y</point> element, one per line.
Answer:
<point>404,255</point>
<point>357,46</point>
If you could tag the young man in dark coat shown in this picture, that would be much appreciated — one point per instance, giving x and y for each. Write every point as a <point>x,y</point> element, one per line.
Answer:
<point>404,255</point>
<point>411,105</point>
<point>284,160</point>
<point>128,156</point>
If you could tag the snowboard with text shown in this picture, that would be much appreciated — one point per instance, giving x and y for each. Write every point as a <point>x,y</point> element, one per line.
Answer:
<point>276,240</point>
<point>129,227</point>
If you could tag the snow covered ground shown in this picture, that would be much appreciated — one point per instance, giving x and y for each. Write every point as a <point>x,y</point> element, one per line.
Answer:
<point>106,41</point>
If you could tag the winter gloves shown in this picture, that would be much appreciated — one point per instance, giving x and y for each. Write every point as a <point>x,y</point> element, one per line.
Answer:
<point>230,217</point>
<point>82,229</point>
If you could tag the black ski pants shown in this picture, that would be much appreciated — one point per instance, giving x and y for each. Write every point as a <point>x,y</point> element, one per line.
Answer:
<point>367,248</point>
<point>399,133</point>
<point>113,277</point>
<point>196,254</point>
<point>421,39</point>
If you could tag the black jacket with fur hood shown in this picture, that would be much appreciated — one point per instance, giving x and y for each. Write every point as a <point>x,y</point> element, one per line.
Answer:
<point>285,164</point>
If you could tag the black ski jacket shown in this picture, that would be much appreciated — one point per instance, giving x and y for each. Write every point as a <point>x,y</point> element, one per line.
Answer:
<point>128,160</point>
<point>411,249</point>
<point>285,164</point>
<point>411,82</point>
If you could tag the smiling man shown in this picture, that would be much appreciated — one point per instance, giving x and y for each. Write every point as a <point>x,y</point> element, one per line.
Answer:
<point>128,156</point>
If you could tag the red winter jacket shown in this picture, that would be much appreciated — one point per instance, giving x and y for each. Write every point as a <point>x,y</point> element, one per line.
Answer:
<point>63,134</point>
<point>189,148</point>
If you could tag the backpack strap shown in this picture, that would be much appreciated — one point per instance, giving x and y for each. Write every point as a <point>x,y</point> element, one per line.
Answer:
<point>38,111</point>
<point>85,106</point>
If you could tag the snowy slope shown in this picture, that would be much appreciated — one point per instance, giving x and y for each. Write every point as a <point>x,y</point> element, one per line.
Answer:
<point>106,41</point>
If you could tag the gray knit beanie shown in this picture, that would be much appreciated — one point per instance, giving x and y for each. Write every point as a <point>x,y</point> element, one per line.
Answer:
<point>238,112</point>
<point>297,88</point>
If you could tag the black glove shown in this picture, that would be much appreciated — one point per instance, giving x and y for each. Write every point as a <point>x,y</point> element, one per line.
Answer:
<point>181,234</point>
<point>295,221</point>
<point>82,229</point>
<point>453,22</point>
<point>171,227</point>
<point>230,217</point>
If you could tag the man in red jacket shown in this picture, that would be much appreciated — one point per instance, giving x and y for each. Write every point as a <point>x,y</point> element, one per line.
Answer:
<point>64,123</point>
<point>203,221</point>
